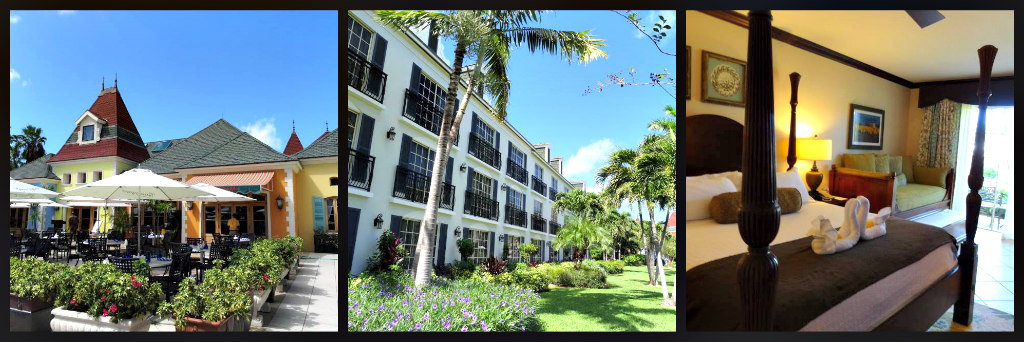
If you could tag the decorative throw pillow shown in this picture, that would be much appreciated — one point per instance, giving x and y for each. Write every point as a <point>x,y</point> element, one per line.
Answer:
<point>699,193</point>
<point>792,179</point>
<point>863,162</point>
<point>882,163</point>
<point>901,179</point>
<point>725,208</point>
<point>896,164</point>
<point>935,176</point>
<point>908,169</point>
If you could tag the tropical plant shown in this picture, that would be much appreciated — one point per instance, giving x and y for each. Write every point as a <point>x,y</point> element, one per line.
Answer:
<point>465,248</point>
<point>633,260</point>
<point>494,266</point>
<point>529,249</point>
<point>222,294</point>
<point>37,279</point>
<point>580,233</point>
<point>487,36</point>
<point>121,220</point>
<point>390,252</point>
<point>101,290</point>
<point>579,203</point>
<point>32,141</point>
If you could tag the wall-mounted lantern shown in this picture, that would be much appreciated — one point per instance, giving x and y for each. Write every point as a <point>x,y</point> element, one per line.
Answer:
<point>379,221</point>
<point>458,231</point>
<point>391,134</point>
<point>280,202</point>
<point>462,167</point>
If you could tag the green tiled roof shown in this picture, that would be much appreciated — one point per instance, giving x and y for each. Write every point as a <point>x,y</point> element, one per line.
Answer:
<point>35,169</point>
<point>216,145</point>
<point>327,146</point>
<point>152,144</point>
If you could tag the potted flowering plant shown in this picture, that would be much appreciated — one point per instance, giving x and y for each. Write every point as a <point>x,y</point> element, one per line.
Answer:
<point>34,285</point>
<point>98,297</point>
<point>296,246</point>
<point>220,303</point>
<point>258,270</point>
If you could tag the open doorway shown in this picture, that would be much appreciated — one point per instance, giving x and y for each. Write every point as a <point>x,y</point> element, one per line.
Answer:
<point>997,190</point>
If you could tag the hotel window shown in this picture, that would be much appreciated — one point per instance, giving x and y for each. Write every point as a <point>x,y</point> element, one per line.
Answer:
<point>210,218</point>
<point>480,243</point>
<point>19,218</point>
<point>538,171</point>
<point>433,93</point>
<point>410,234</point>
<point>513,248</point>
<point>359,38</point>
<point>97,175</point>
<point>88,132</point>
<point>482,185</point>
<point>540,248</point>
<point>353,119</point>
<point>331,205</point>
<point>538,207</point>
<point>81,178</point>
<point>486,133</point>
<point>518,157</point>
<point>516,199</point>
<point>66,179</point>
<point>420,159</point>
<point>334,181</point>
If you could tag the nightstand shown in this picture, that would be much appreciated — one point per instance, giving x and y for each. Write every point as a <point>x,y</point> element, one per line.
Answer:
<point>840,201</point>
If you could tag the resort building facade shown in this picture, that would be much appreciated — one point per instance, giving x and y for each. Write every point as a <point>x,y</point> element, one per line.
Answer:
<point>497,187</point>
<point>295,194</point>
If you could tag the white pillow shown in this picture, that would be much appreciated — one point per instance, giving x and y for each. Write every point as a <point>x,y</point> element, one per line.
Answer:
<point>734,176</point>
<point>791,179</point>
<point>699,192</point>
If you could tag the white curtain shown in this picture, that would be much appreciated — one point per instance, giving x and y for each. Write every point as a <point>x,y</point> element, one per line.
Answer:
<point>965,149</point>
<point>999,151</point>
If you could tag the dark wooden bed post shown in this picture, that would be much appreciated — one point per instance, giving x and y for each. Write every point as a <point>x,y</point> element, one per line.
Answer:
<point>794,80</point>
<point>759,213</point>
<point>963,310</point>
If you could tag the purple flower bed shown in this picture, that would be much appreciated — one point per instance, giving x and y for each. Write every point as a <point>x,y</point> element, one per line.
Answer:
<point>390,303</point>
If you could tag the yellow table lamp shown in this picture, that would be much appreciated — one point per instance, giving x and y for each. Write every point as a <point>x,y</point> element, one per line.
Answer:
<point>814,149</point>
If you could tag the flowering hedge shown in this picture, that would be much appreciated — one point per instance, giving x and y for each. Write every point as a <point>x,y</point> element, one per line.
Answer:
<point>388,302</point>
<point>103,291</point>
<point>37,279</point>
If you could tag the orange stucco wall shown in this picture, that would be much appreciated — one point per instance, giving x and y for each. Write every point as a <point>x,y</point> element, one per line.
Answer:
<point>192,221</point>
<point>278,217</point>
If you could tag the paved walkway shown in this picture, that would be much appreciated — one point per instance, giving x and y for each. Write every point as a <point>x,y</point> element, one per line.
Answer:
<point>308,303</point>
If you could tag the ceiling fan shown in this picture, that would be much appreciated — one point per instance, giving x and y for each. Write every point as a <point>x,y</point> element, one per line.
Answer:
<point>925,18</point>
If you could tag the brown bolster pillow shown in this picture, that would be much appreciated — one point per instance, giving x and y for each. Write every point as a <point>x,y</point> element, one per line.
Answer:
<point>725,208</point>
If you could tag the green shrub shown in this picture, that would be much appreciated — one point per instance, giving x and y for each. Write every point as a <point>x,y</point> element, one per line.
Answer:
<point>595,254</point>
<point>101,290</point>
<point>514,265</point>
<point>222,294</point>
<point>443,305</point>
<point>585,277</point>
<point>633,260</point>
<point>465,248</point>
<point>462,269</point>
<point>325,242</point>
<point>37,279</point>
<point>389,252</point>
<point>594,266</point>
<point>612,266</point>
<point>524,277</point>
<point>528,249</point>
<point>551,271</point>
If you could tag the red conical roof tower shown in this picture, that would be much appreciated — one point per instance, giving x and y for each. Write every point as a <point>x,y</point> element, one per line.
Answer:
<point>294,145</point>
<point>117,135</point>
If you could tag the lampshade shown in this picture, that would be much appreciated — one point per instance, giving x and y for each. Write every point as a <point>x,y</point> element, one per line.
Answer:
<point>814,149</point>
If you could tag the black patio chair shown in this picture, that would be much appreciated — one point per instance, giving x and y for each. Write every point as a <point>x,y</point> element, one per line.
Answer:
<point>176,272</point>
<point>62,246</point>
<point>122,264</point>
<point>39,248</point>
<point>15,247</point>
<point>180,248</point>
<point>92,250</point>
<point>217,252</point>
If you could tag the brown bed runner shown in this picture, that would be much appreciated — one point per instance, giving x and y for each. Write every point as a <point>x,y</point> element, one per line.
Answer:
<point>809,284</point>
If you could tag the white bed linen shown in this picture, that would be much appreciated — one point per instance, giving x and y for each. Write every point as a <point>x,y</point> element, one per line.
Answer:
<point>706,240</point>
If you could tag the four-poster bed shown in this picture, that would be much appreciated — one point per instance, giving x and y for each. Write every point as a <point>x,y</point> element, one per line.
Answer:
<point>722,279</point>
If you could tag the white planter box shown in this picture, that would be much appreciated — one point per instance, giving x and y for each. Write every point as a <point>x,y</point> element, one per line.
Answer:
<point>66,320</point>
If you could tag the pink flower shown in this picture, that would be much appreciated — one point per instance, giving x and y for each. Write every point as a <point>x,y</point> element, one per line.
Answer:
<point>108,290</point>
<point>265,278</point>
<point>72,302</point>
<point>113,308</point>
<point>103,299</point>
<point>104,312</point>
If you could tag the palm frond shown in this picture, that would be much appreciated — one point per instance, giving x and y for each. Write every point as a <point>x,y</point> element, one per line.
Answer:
<point>570,45</point>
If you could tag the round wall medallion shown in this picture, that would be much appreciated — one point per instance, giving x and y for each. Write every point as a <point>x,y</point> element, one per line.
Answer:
<point>725,80</point>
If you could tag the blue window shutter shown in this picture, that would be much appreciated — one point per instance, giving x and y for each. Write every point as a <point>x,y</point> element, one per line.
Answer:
<point>466,233</point>
<point>414,87</point>
<point>403,157</point>
<point>365,134</point>
<point>442,244</point>
<point>503,256</point>
<point>492,242</point>
<point>494,189</point>
<point>353,230</point>
<point>380,49</point>
<point>469,187</point>
<point>472,127</point>
<point>396,224</point>
<point>319,223</point>
<point>448,170</point>
<point>497,143</point>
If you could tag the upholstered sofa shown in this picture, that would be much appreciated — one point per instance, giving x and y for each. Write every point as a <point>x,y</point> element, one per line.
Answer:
<point>892,181</point>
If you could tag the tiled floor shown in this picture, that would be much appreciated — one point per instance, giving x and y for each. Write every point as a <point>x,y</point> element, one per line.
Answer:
<point>994,287</point>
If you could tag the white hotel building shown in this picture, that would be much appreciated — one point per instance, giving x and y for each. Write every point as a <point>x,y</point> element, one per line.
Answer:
<point>498,186</point>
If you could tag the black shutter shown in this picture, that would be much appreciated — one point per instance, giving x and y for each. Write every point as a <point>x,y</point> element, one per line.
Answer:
<point>497,141</point>
<point>430,164</point>
<point>375,80</point>
<point>491,234</point>
<point>448,170</point>
<point>472,128</point>
<point>466,233</point>
<point>469,188</point>
<point>353,230</point>
<point>380,50</point>
<point>442,242</point>
<point>403,157</point>
<point>365,135</point>
<point>509,244</point>
<point>494,190</point>
<point>396,225</point>
<point>414,87</point>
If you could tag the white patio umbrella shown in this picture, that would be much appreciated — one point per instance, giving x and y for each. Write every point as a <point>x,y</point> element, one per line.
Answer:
<point>24,190</point>
<point>138,184</point>
<point>217,195</point>
<point>20,205</point>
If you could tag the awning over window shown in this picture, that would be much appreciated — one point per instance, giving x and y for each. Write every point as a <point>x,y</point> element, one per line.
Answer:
<point>242,182</point>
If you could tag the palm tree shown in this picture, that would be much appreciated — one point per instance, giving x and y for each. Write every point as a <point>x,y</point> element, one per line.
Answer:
<point>33,140</point>
<point>579,203</point>
<point>15,151</point>
<point>488,36</point>
<point>656,163</point>
<point>580,233</point>
<point>622,182</point>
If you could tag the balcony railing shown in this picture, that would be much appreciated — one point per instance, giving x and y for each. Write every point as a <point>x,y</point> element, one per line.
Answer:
<point>553,227</point>
<point>415,186</point>
<point>360,169</point>
<point>418,109</point>
<point>481,205</point>
<point>516,171</point>
<point>366,77</point>
<point>552,194</point>
<point>538,223</point>
<point>515,216</point>
<point>484,151</point>
<point>538,185</point>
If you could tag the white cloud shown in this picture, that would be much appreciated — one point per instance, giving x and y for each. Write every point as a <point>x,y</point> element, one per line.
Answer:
<point>15,19</point>
<point>24,83</point>
<point>265,131</point>
<point>66,12</point>
<point>587,158</point>
<point>595,187</point>
<point>14,75</point>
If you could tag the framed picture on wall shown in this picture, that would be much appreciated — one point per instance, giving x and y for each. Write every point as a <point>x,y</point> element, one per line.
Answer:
<point>723,80</point>
<point>866,128</point>
<point>688,72</point>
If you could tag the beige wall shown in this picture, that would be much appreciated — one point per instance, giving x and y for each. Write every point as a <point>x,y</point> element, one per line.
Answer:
<point>827,88</point>
<point>915,116</point>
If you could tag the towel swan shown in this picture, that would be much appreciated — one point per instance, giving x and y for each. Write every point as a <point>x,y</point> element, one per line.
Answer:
<point>876,227</point>
<point>827,240</point>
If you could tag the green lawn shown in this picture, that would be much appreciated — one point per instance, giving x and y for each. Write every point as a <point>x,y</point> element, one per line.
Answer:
<point>627,305</point>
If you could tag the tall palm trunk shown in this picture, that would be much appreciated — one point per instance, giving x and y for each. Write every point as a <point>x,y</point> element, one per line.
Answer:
<point>651,276</point>
<point>660,263</point>
<point>449,128</point>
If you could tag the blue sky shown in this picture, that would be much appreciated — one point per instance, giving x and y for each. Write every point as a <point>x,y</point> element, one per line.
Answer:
<point>546,101</point>
<point>178,71</point>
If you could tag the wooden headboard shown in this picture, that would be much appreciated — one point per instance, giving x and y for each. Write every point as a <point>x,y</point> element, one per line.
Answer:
<point>714,144</point>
